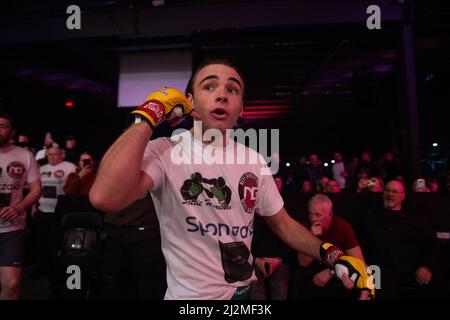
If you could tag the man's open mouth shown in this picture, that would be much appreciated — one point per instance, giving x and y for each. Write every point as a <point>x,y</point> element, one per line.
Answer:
<point>219,113</point>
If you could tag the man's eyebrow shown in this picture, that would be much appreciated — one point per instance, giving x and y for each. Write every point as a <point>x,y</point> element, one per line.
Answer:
<point>216,77</point>
<point>208,78</point>
<point>235,80</point>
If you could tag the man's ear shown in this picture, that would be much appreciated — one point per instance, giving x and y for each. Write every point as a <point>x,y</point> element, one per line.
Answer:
<point>190,98</point>
<point>403,196</point>
<point>194,114</point>
<point>242,109</point>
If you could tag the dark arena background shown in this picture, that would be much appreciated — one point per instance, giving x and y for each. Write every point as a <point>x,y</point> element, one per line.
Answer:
<point>332,76</point>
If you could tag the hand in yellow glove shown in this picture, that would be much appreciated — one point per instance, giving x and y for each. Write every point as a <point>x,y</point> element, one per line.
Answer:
<point>347,267</point>
<point>164,104</point>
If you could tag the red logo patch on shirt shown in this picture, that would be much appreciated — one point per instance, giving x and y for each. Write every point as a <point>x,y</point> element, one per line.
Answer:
<point>58,174</point>
<point>15,169</point>
<point>248,189</point>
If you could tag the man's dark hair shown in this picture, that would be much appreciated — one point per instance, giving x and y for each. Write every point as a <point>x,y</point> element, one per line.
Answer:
<point>7,116</point>
<point>205,63</point>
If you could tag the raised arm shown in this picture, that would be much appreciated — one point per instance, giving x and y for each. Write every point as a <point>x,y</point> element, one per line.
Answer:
<point>120,181</point>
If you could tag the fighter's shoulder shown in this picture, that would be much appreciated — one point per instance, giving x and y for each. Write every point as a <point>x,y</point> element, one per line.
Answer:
<point>252,154</point>
<point>19,153</point>
<point>160,142</point>
<point>159,145</point>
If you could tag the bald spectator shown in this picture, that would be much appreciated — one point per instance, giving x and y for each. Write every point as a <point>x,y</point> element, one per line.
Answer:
<point>41,155</point>
<point>309,278</point>
<point>53,176</point>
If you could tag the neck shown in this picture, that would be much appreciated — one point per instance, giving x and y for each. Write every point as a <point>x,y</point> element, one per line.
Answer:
<point>209,138</point>
<point>396,208</point>
<point>6,145</point>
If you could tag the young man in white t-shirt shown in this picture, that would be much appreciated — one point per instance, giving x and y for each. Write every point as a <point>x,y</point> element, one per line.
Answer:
<point>205,210</point>
<point>17,168</point>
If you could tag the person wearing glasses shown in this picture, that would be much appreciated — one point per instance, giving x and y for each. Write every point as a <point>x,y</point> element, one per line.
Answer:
<point>401,244</point>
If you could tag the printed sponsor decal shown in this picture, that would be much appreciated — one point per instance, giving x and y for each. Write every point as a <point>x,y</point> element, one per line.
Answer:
<point>217,192</point>
<point>58,174</point>
<point>248,189</point>
<point>15,169</point>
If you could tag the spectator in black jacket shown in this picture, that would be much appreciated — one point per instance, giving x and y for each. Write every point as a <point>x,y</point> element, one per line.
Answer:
<point>402,246</point>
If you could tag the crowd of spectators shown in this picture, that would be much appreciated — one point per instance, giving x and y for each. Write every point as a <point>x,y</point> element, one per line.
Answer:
<point>69,169</point>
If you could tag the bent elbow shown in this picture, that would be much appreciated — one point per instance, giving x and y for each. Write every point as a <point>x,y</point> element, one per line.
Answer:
<point>100,202</point>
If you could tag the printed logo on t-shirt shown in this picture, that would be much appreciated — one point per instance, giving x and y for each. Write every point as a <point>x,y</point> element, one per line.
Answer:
<point>234,256</point>
<point>219,229</point>
<point>58,174</point>
<point>1,171</point>
<point>9,187</point>
<point>15,169</point>
<point>46,174</point>
<point>248,188</point>
<point>217,192</point>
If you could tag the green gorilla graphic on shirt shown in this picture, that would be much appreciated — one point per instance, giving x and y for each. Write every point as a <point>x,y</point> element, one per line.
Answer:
<point>215,188</point>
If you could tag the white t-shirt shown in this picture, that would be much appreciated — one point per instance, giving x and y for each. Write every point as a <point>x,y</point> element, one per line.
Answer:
<point>53,180</point>
<point>17,167</point>
<point>337,168</point>
<point>206,217</point>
